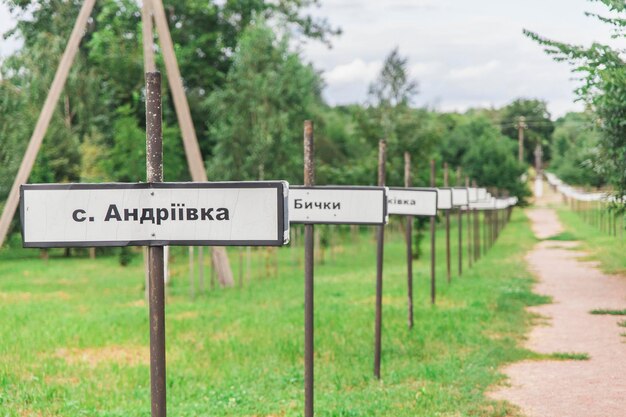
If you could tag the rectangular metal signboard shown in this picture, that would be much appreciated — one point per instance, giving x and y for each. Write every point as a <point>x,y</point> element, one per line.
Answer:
<point>472,194</point>
<point>482,194</point>
<point>460,197</point>
<point>216,213</point>
<point>488,204</point>
<point>444,198</point>
<point>337,205</point>
<point>412,201</point>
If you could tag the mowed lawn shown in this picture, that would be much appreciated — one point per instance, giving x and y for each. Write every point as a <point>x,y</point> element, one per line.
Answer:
<point>74,335</point>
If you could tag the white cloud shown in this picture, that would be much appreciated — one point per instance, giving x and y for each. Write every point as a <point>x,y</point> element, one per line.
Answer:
<point>476,71</point>
<point>355,71</point>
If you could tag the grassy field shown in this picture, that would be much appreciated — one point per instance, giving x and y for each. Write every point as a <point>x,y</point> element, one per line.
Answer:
<point>74,336</point>
<point>608,250</point>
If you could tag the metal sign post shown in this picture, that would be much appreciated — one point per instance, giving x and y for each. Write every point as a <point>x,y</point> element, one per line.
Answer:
<point>433,283</point>
<point>474,194</point>
<point>460,198</point>
<point>382,155</point>
<point>409,244</point>
<point>469,226</point>
<point>309,261</point>
<point>156,291</point>
<point>460,220</point>
<point>447,214</point>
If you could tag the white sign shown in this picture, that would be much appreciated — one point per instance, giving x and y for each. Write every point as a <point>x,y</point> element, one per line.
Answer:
<point>235,214</point>
<point>460,197</point>
<point>473,194</point>
<point>337,205</point>
<point>444,198</point>
<point>482,194</point>
<point>487,204</point>
<point>412,201</point>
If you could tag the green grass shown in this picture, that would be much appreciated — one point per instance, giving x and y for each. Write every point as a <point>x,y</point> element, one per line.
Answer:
<point>564,236</point>
<point>608,250</point>
<point>569,356</point>
<point>608,312</point>
<point>74,335</point>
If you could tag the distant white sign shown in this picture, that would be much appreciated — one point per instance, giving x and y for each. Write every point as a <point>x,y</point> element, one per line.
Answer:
<point>444,198</point>
<point>482,193</point>
<point>235,214</point>
<point>487,204</point>
<point>412,201</point>
<point>460,197</point>
<point>337,205</point>
<point>472,194</point>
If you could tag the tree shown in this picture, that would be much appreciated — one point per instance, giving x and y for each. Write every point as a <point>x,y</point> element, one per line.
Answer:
<point>575,148</point>
<point>603,89</point>
<point>389,115</point>
<point>538,125</point>
<point>258,114</point>
<point>393,90</point>
<point>491,162</point>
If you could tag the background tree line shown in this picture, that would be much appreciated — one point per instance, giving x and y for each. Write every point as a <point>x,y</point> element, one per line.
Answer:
<point>249,90</point>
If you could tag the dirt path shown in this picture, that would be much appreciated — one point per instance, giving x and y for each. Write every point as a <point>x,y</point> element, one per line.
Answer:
<point>587,388</point>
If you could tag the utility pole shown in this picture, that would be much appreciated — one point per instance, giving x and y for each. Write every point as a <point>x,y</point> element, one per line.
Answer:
<point>521,125</point>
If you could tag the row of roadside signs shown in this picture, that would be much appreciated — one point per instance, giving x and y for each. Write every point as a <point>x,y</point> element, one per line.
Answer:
<point>571,192</point>
<point>219,213</point>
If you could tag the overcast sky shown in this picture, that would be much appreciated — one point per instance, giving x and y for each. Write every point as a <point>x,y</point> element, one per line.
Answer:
<point>463,53</point>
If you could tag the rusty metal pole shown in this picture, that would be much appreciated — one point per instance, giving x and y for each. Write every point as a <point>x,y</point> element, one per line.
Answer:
<point>154,173</point>
<point>460,221</point>
<point>382,150</point>
<point>309,262</point>
<point>476,230</point>
<point>409,243</point>
<point>433,246</point>
<point>446,184</point>
<point>469,227</point>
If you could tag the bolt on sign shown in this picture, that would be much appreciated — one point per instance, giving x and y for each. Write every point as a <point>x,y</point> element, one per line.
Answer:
<point>338,205</point>
<point>460,196</point>
<point>412,201</point>
<point>155,214</point>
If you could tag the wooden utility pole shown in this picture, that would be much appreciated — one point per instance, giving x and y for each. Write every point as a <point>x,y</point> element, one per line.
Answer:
<point>521,125</point>
<point>60,77</point>
<point>190,141</point>
<point>150,8</point>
